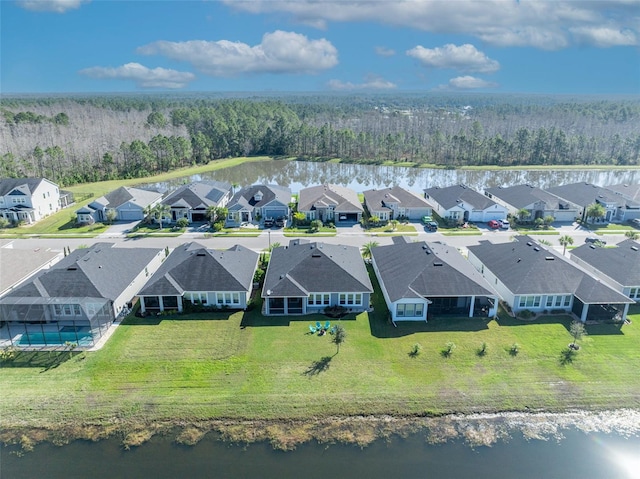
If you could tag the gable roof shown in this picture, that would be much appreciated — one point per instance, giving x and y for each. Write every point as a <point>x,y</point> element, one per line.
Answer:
<point>376,199</point>
<point>621,264</point>
<point>101,271</point>
<point>583,194</point>
<point>340,197</point>
<point>520,196</point>
<point>245,198</point>
<point>199,194</point>
<point>629,191</point>
<point>124,194</point>
<point>18,264</point>
<point>410,270</point>
<point>450,196</point>
<point>302,268</point>
<point>193,267</point>
<point>24,185</point>
<point>526,267</point>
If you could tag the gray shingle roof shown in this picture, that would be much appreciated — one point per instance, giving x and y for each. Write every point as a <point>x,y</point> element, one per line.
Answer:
<point>375,199</point>
<point>409,270</point>
<point>8,184</point>
<point>448,197</point>
<point>630,191</point>
<point>245,198</point>
<point>303,268</point>
<point>100,271</point>
<point>343,199</point>
<point>193,267</point>
<point>622,263</point>
<point>583,194</point>
<point>527,268</point>
<point>200,194</point>
<point>120,196</point>
<point>520,196</point>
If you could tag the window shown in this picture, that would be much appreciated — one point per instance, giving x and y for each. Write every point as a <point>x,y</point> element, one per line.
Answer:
<point>76,310</point>
<point>409,310</point>
<point>57,308</point>
<point>200,298</point>
<point>350,299</point>
<point>634,293</point>
<point>319,299</point>
<point>20,200</point>
<point>530,301</point>
<point>567,300</point>
<point>236,298</point>
<point>227,298</point>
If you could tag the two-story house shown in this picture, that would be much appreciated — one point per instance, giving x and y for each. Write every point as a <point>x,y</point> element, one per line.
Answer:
<point>28,199</point>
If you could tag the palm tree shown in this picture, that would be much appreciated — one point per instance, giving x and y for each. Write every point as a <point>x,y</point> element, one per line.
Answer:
<point>160,211</point>
<point>394,224</point>
<point>595,211</point>
<point>523,213</point>
<point>565,241</point>
<point>634,235</point>
<point>366,249</point>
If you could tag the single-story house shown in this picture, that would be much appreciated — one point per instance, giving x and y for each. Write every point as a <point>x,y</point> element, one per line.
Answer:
<point>619,267</point>
<point>420,280</point>
<point>538,202</point>
<point>620,202</point>
<point>461,203</point>
<point>253,204</point>
<point>198,275</point>
<point>308,277</point>
<point>28,199</point>
<point>192,201</point>
<point>330,203</point>
<point>83,293</point>
<point>129,203</point>
<point>396,202</point>
<point>529,276</point>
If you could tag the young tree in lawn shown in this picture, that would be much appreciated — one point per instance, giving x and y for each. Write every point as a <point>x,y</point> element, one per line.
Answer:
<point>339,336</point>
<point>577,330</point>
<point>565,241</point>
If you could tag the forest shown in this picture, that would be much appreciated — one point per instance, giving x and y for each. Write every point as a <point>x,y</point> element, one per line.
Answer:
<point>77,139</point>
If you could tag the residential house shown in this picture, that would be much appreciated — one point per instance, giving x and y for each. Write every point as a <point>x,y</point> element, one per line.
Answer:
<point>79,297</point>
<point>253,204</point>
<point>631,209</point>
<point>461,203</point>
<point>18,265</point>
<point>396,202</point>
<point>421,280</point>
<point>619,266</point>
<point>130,204</point>
<point>330,204</point>
<point>198,275</point>
<point>28,199</point>
<point>538,202</point>
<point>529,276</point>
<point>192,201</point>
<point>308,277</point>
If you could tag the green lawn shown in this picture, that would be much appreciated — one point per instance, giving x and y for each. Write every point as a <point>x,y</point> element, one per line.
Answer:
<point>242,365</point>
<point>387,230</point>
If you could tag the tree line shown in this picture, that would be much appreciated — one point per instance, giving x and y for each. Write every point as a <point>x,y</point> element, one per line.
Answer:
<point>366,129</point>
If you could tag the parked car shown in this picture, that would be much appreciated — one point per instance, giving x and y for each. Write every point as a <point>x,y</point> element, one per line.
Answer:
<point>343,218</point>
<point>431,226</point>
<point>268,222</point>
<point>593,239</point>
<point>280,222</point>
<point>504,224</point>
<point>426,220</point>
<point>493,224</point>
<point>635,222</point>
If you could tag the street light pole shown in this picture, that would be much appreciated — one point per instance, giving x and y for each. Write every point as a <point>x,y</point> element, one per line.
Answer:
<point>269,232</point>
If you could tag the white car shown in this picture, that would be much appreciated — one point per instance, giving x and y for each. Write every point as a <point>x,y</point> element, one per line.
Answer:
<point>504,224</point>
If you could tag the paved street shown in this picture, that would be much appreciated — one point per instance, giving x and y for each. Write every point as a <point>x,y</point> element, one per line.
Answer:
<point>348,236</point>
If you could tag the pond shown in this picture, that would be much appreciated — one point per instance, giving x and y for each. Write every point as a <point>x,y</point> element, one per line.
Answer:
<point>577,455</point>
<point>300,174</point>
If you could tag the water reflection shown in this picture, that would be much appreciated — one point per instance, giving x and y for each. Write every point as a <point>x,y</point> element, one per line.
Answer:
<point>297,175</point>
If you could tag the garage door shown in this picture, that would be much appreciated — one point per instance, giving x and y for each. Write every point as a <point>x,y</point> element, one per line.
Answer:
<point>275,212</point>
<point>130,215</point>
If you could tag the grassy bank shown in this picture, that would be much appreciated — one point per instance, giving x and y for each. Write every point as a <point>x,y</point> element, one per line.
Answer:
<point>244,366</point>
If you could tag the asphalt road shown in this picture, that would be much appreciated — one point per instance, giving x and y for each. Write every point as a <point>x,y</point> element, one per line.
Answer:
<point>346,236</point>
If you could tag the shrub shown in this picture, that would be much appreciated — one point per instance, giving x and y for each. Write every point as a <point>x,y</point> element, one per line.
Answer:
<point>448,349</point>
<point>415,350</point>
<point>483,349</point>
<point>526,314</point>
<point>4,222</point>
<point>182,223</point>
<point>515,349</point>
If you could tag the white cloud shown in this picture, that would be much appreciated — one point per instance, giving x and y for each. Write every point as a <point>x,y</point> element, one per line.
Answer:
<point>143,76</point>
<point>385,52</point>
<point>279,52</point>
<point>372,82</point>
<point>467,83</point>
<point>604,36</point>
<point>57,6</point>
<point>542,24</point>
<point>464,58</point>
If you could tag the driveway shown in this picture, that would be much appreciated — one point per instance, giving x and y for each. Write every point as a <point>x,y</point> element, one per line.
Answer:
<point>118,229</point>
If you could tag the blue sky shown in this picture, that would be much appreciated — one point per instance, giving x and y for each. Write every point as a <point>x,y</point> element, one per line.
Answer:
<point>525,46</point>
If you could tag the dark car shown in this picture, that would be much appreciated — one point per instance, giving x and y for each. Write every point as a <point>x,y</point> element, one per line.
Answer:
<point>280,222</point>
<point>593,239</point>
<point>268,222</point>
<point>431,226</point>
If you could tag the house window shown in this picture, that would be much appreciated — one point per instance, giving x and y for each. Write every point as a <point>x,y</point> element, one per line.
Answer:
<point>19,200</point>
<point>227,298</point>
<point>236,298</point>
<point>530,301</point>
<point>634,293</point>
<point>350,299</point>
<point>199,298</point>
<point>409,310</point>
<point>319,299</point>
<point>567,300</point>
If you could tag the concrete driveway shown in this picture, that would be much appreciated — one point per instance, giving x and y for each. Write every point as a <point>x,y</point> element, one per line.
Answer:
<point>118,229</point>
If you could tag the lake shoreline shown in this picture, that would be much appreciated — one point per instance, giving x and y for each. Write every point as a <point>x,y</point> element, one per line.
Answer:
<point>475,430</point>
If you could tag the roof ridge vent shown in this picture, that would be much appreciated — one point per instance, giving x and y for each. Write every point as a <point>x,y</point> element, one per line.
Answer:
<point>549,258</point>
<point>529,243</point>
<point>634,248</point>
<point>437,263</point>
<point>536,248</point>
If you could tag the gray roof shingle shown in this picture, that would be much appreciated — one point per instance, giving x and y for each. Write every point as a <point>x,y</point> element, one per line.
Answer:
<point>245,198</point>
<point>375,199</point>
<point>622,263</point>
<point>302,268</point>
<point>343,199</point>
<point>200,194</point>
<point>122,195</point>
<point>584,194</point>
<point>409,270</point>
<point>9,184</point>
<point>449,196</point>
<point>520,196</point>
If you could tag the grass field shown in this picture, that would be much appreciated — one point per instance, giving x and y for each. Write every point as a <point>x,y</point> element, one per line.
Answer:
<point>244,366</point>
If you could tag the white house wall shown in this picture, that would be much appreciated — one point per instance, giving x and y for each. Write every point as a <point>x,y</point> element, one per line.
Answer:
<point>45,199</point>
<point>136,285</point>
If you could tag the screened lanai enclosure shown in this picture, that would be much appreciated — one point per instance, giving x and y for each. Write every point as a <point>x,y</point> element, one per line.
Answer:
<point>50,323</point>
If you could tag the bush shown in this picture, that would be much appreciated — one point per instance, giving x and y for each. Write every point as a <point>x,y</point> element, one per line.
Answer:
<point>336,311</point>
<point>515,349</point>
<point>448,349</point>
<point>182,223</point>
<point>484,348</point>
<point>526,314</point>
<point>415,350</point>
<point>4,222</point>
